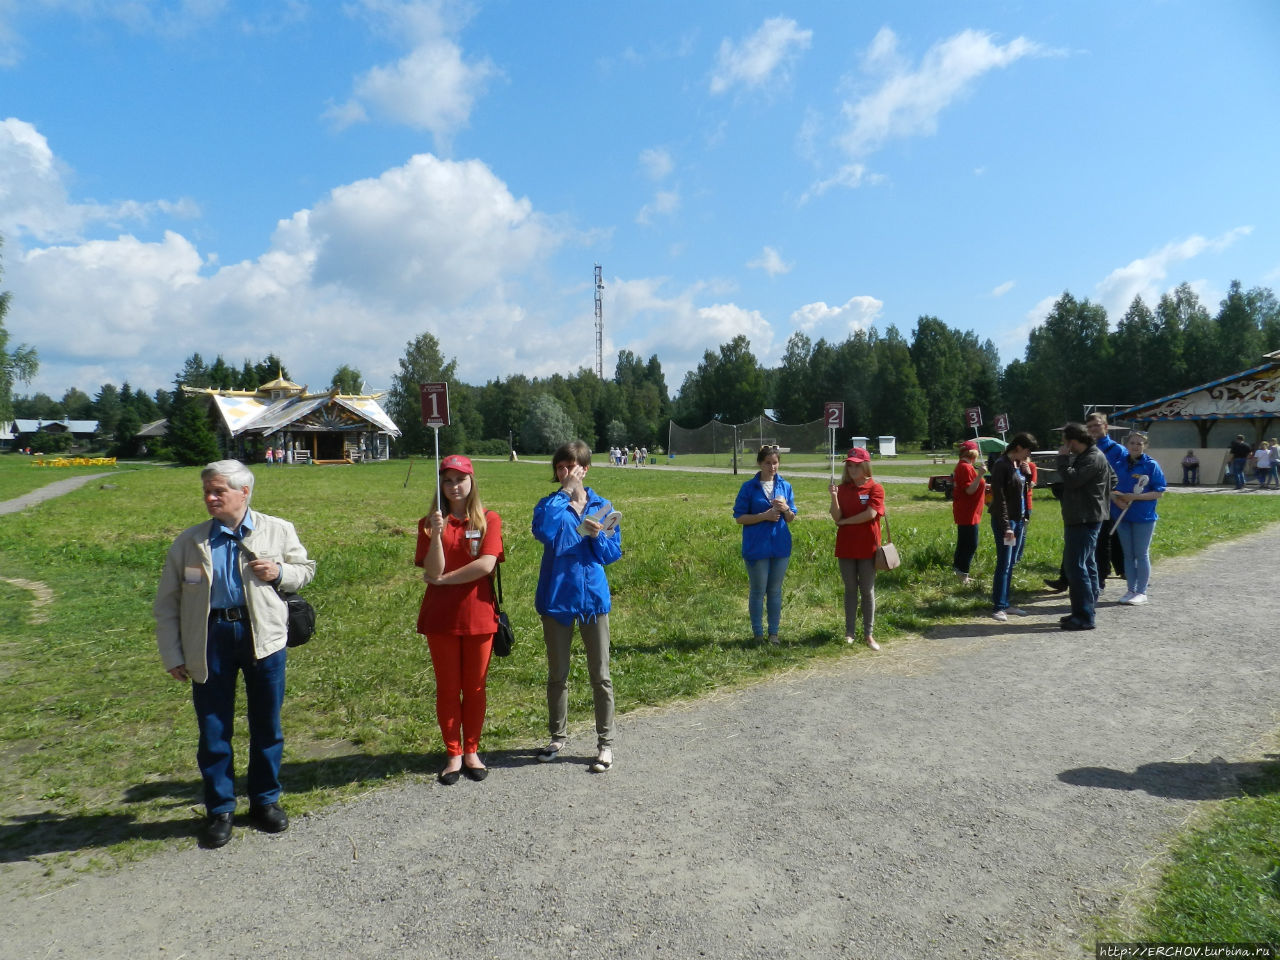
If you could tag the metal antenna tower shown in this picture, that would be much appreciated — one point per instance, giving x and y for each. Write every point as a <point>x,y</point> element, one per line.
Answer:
<point>599,323</point>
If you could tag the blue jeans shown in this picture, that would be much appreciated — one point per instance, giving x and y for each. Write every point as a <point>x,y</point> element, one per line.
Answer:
<point>765,577</point>
<point>1006,558</point>
<point>1136,538</point>
<point>1237,471</point>
<point>1190,476</point>
<point>230,651</point>
<point>1079,562</point>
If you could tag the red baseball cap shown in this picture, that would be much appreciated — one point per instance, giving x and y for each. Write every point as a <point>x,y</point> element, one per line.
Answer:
<point>858,455</point>
<point>969,445</point>
<point>457,462</point>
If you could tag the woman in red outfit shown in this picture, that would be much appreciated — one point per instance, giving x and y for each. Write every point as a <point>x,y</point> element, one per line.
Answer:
<point>857,504</point>
<point>967,493</point>
<point>458,553</point>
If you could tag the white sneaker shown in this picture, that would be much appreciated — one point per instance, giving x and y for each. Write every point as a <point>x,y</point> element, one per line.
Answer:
<point>999,615</point>
<point>1015,611</point>
<point>1137,599</point>
<point>1128,596</point>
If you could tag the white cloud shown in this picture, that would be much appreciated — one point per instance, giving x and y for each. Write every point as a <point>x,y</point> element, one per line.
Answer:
<point>851,175</point>
<point>34,200</point>
<point>763,57</point>
<point>433,87</point>
<point>1003,288</point>
<point>770,261</point>
<point>656,163</point>
<point>664,203</point>
<point>856,313</point>
<point>908,100</point>
<point>1145,276</point>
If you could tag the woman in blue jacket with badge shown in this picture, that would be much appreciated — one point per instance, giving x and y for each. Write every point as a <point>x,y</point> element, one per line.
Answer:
<point>579,533</point>
<point>765,507</point>
<point>1139,484</point>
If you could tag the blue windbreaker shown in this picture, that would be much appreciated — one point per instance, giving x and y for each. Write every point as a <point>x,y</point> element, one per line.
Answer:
<point>764,540</point>
<point>571,582</point>
<point>1140,511</point>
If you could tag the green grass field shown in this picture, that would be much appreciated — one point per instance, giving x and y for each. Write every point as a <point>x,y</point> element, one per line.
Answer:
<point>97,743</point>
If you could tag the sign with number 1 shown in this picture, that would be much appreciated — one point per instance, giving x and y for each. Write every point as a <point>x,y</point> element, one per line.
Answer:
<point>435,404</point>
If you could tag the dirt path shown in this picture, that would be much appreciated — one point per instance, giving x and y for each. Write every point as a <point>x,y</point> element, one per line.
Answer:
<point>977,793</point>
<point>47,492</point>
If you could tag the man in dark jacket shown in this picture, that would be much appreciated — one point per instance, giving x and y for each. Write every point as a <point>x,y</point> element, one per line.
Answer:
<point>1240,451</point>
<point>1087,482</point>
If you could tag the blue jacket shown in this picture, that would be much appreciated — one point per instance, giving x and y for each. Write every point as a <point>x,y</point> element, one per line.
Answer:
<point>571,583</point>
<point>764,540</point>
<point>1117,454</point>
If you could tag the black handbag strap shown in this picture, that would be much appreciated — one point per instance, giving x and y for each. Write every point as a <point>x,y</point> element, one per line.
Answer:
<point>497,569</point>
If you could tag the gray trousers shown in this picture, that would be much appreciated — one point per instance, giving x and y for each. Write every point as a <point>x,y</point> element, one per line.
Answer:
<point>595,638</point>
<point>859,578</point>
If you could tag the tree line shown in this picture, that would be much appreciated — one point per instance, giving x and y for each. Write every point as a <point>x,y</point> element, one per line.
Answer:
<point>915,389</point>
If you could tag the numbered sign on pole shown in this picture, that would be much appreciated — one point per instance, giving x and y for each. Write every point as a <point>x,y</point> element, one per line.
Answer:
<point>833,414</point>
<point>973,417</point>
<point>435,404</point>
<point>1002,423</point>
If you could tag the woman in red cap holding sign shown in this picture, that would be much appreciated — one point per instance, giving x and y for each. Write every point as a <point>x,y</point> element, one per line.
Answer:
<point>458,553</point>
<point>857,504</point>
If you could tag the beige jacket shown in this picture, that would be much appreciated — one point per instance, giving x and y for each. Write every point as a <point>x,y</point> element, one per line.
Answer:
<point>181,608</point>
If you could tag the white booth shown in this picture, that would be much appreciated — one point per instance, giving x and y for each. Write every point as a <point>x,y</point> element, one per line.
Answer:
<point>888,446</point>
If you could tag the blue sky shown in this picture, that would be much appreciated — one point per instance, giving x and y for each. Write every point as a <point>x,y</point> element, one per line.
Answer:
<point>328,180</point>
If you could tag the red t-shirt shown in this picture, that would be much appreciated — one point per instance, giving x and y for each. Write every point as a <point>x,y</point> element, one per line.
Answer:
<point>966,508</point>
<point>463,609</point>
<point>858,541</point>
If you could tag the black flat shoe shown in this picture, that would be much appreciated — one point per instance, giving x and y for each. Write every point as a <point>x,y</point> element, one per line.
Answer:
<point>1073,624</point>
<point>269,819</point>
<point>216,831</point>
<point>448,777</point>
<point>1057,586</point>
<point>475,773</point>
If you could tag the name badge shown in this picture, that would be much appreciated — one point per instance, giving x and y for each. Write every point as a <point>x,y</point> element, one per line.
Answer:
<point>192,574</point>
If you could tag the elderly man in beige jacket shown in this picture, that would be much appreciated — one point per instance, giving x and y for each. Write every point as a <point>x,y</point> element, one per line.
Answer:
<point>219,614</point>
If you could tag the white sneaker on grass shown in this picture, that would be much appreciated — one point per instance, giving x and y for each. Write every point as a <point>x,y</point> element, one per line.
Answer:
<point>999,615</point>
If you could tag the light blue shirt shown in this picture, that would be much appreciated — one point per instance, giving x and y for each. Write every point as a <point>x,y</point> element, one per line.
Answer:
<point>227,588</point>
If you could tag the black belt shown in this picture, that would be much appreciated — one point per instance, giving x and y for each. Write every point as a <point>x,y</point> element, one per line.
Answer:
<point>230,613</point>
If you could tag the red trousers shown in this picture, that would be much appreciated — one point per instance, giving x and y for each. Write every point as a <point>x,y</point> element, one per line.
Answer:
<point>461,664</point>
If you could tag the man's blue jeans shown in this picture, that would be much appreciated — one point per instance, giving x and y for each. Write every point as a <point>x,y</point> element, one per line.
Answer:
<point>765,578</point>
<point>1237,471</point>
<point>230,652</point>
<point>1006,558</point>
<point>1079,562</point>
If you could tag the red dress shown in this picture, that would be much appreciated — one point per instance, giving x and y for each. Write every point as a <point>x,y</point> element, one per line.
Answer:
<point>859,541</point>
<point>464,609</point>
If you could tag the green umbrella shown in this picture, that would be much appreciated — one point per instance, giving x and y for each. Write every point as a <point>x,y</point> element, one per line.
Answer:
<point>989,444</point>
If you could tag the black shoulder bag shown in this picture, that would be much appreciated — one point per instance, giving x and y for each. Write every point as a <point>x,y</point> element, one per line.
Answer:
<point>505,636</point>
<point>302,615</point>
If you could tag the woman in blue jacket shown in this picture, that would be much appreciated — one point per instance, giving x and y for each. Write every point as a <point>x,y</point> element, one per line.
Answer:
<point>765,507</point>
<point>1139,484</point>
<point>578,539</point>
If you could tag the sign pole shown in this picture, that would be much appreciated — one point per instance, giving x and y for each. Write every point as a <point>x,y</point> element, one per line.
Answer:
<point>439,505</point>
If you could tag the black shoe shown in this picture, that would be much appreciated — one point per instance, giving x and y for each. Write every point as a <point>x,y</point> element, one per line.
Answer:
<point>1056,585</point>
<point>1071,623</point>
<point>269,819</point>
<point>475,773</point>
<point>216,831</point>
<point>448,777</point>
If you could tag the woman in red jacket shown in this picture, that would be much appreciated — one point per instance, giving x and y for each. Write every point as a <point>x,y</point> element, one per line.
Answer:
<point>458,553</point>
<point>967,494</point>
<point>857,504</point>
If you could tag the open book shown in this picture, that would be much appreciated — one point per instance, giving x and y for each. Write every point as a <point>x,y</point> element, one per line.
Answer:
<point>607,518</point>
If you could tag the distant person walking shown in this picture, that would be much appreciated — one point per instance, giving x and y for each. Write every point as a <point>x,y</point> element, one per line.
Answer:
<point>1262,465</point>
<point>857,504</point>
<point>578,541</point>
<point>1239,452</point>
<point>1275,463</point>
<point>1087,482</point>
<point>1139,484</point>
<point>458,553</point>
<point>765,507</point>
<point>968,492</point>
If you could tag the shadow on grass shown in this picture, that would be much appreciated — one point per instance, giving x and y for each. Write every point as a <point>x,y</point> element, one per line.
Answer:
<point>1215,780</point>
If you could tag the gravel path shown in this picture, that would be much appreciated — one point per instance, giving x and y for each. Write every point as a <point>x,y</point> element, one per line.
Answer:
<point>979,792</point>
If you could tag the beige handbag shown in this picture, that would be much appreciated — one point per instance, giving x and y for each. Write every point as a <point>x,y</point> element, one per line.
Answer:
<point>887,554</point>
